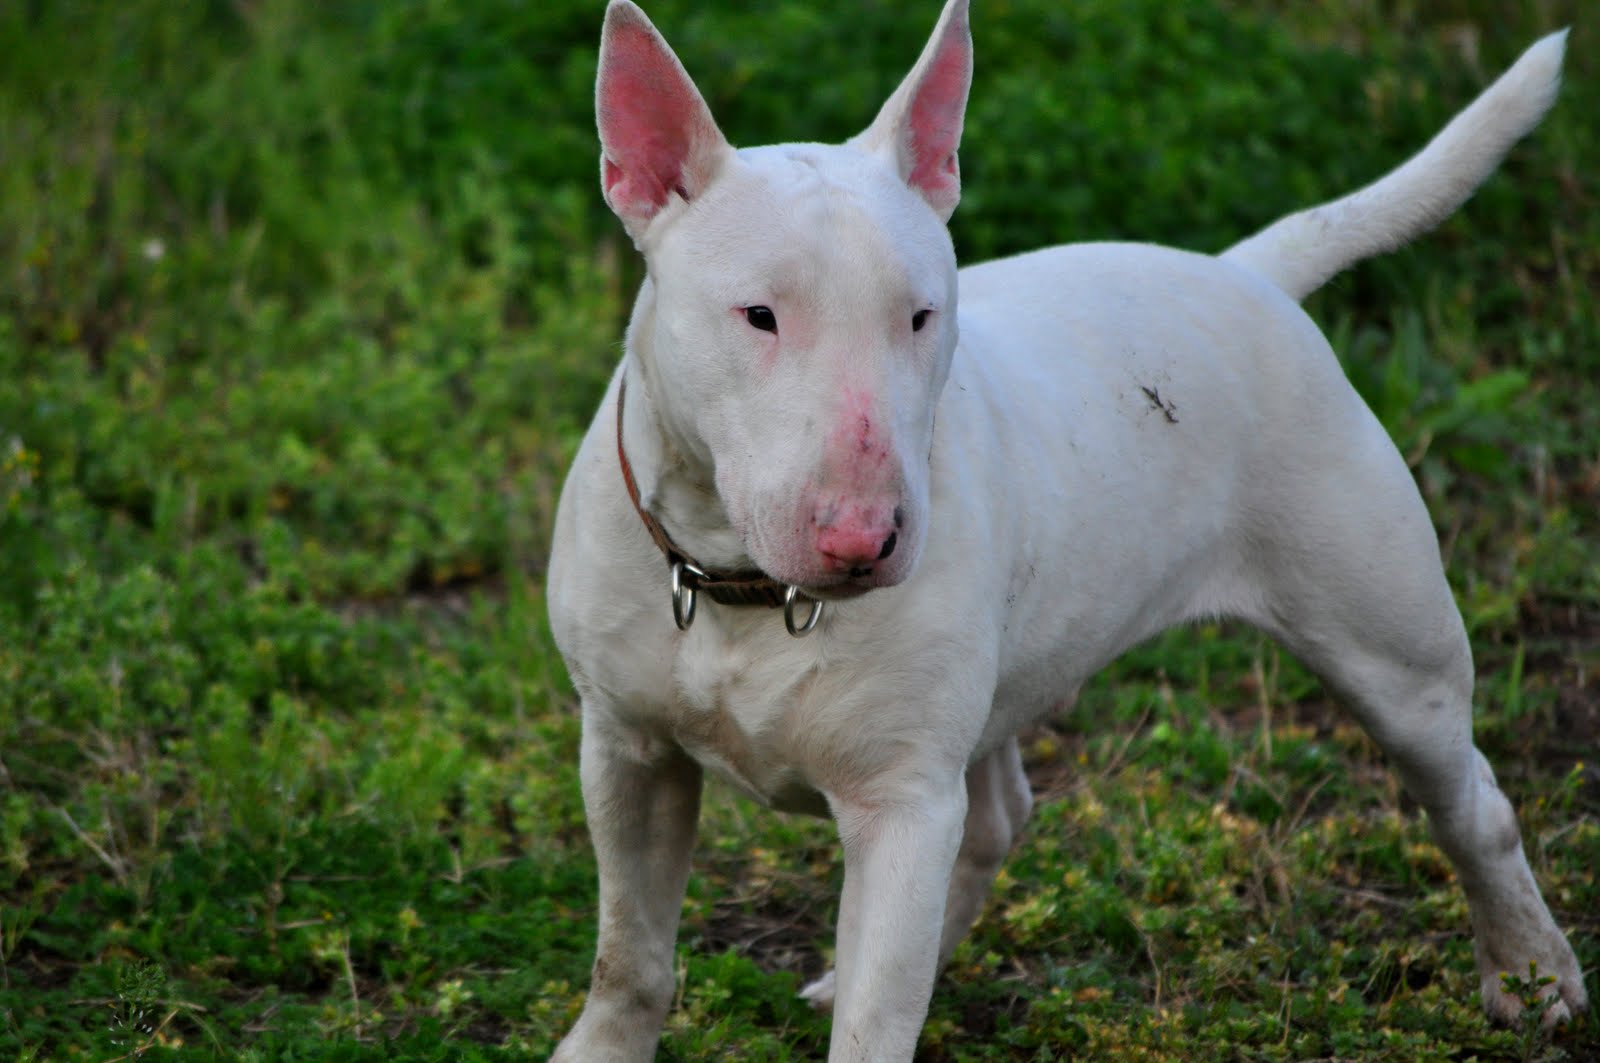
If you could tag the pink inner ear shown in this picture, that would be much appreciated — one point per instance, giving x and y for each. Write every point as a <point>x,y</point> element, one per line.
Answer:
<point>651,118</point>
<point>936,115</point>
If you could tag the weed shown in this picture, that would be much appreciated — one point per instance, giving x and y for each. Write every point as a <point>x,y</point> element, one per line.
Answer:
<point>140,991</point>
<point>1536,1004</point>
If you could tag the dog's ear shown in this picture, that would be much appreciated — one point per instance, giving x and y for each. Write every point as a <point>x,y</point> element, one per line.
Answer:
<point>919,128</point>
<point>657,137</point>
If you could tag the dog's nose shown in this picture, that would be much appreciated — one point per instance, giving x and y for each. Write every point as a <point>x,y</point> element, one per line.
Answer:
<point>856,548</point>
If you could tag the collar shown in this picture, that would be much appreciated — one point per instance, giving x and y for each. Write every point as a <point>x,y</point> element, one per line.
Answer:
<point>751,587</point>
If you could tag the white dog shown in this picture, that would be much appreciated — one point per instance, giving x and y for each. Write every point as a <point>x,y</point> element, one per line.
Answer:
<point>922,527</point>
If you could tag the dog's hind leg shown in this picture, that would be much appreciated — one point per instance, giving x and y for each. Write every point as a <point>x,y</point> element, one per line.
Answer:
<point>998,803</point>
<point>1354,586</point>
<point>1422,720</point>
<point>1418,709</point>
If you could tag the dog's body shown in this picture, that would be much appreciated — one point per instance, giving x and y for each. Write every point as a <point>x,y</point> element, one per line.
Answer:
<point>1117,439</point>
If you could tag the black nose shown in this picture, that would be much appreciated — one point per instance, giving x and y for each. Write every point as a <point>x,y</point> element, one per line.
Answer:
<point>888,545</point>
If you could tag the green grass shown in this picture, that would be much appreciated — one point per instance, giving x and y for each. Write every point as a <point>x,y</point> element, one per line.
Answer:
<point>303,309</point>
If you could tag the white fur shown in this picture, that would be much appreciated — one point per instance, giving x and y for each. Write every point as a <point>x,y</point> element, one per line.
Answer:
<point>1107,440</point>
<point>1302,251</point>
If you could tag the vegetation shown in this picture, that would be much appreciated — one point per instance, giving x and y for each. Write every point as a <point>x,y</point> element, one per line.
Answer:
<point>303,308</point>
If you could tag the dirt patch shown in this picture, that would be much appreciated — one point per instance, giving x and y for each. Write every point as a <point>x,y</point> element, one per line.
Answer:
<point>1168,408</point>
<point>1562,641</point>
<point>777,938</point>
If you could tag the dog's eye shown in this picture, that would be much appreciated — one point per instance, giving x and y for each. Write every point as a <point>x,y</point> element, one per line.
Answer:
<point>919,319</point>
<point>762,318</point>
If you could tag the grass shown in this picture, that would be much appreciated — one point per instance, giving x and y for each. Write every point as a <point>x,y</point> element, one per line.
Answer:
<point>303,309</point>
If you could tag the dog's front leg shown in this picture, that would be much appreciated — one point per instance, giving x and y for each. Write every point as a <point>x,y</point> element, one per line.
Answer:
<point>642,799</point>
<point>898,855</point>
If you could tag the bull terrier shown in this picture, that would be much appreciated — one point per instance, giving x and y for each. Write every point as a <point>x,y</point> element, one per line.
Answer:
<point>836,539</point>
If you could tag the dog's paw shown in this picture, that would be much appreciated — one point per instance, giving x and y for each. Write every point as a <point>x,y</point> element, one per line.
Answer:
<point>1510,992</point>
<point>1566,998</point>
<point>819,994</point>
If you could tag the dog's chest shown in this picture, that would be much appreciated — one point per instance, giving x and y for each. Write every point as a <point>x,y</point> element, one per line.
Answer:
<point>736,708</point>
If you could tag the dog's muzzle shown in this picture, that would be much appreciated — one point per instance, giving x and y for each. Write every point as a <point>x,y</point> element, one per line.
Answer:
<point>690,578</point>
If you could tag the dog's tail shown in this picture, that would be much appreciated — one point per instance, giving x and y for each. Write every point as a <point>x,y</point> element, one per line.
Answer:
<point>1300,252</point>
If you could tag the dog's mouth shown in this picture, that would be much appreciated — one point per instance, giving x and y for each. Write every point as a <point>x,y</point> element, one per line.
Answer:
<point>848,585</point>
<point>839,592</point>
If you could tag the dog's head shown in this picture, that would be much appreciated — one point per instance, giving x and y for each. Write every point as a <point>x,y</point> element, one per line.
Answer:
<point>801,310</point>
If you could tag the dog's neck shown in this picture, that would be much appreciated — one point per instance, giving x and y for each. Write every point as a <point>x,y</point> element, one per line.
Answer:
<point>677,485</point>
